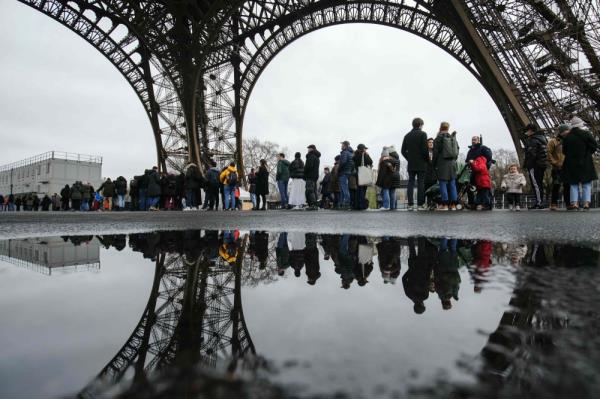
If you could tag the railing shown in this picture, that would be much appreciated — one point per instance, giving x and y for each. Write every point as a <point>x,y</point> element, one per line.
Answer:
<point>67,156</point>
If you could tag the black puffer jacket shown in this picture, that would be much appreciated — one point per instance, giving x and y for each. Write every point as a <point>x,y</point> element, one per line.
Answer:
<point>536,151</point>
<point>297,169</point>
<point>311,168</point>
<point>385,172</point>
<point>121,185</point>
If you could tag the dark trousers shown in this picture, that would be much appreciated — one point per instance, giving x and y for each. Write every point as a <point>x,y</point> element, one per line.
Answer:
<point>536,174</point>
<point>557,183</point>
<point>311,192</point>
<point>420,178</point>
<point>513,199</point>
<point>65,205</point>
<point>76,204</point>
<point>212,196</point>
<point>264,200</point>
<point>361,200</point>
<point>484,197</point>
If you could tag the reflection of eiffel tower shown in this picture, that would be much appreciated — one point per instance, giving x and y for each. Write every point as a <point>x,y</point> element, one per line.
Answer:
<point>194,316</point>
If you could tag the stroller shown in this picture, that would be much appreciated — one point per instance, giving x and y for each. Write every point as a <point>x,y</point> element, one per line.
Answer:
<point>463,186</point>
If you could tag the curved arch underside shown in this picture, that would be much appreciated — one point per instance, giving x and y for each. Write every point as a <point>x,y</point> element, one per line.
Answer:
<point>194,64</point>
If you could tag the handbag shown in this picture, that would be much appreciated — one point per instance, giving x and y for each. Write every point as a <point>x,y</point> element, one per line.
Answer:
<point>365,174</point>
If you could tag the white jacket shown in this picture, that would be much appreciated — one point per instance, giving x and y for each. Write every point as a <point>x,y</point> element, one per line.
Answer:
<point>513,183</point>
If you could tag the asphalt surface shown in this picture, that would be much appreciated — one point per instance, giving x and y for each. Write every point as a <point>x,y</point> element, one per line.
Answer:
<point>566,227</point>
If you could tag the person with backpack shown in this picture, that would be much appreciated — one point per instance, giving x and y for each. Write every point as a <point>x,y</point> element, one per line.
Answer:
<point>414,150</point>
<point>76,195</point>
<point>212,189</point>
<point>311,175</point>
<point>297,186</point>
<point>445,154</point>
<point>282,176</point>
<point>108,191</point>
<point>536,162</point>
<point>262,185</point>
<point>229,179</point>
<point>345,170</point>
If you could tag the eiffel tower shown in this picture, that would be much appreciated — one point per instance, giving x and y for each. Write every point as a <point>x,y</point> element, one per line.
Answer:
<point>194,63</point>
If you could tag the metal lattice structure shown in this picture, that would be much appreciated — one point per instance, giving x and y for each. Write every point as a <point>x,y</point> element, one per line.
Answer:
<point>194,63</point>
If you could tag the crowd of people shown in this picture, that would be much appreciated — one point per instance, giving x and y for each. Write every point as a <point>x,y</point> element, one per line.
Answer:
<point>434,172</point>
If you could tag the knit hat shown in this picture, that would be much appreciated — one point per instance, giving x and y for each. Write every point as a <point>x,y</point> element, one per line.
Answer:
<point>385,152</point>
<point>563,128</point>
<point>392,149</point>
<point>577,122</point>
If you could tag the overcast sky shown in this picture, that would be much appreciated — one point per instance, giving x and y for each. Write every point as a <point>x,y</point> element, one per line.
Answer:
<point>358,82</point>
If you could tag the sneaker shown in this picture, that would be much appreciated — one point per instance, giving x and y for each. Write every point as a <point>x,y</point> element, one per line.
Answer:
<point>425,208</point>
<point>442,208</point>
<point>410,208</point>
<point>554,207</point>
<point>572,208</point>
<point>453,207</point>
<point>517,208</point>
<point>479,208</point>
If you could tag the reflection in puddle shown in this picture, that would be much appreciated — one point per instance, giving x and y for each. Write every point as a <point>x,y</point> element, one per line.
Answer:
<point>314,314</point>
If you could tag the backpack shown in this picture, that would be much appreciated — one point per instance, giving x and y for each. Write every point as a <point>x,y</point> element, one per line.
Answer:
<point>232,179</point>
<point>449,147</point>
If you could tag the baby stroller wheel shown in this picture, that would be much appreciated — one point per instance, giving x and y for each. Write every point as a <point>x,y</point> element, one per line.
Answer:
<point>459,207</point>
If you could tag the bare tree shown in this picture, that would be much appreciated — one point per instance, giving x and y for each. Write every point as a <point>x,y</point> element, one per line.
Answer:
<point>504,158</point>
<point>254,150</point>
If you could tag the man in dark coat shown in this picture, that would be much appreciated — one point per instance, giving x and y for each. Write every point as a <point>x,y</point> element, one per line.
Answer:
<point>536,162</point>
<point>193,178</point>
<point>65,196</point>
<point>414,150</point>
<point>311,175</point>
<point>282,176</point>
<point>326,197</point>
<point>476,150</point>
<point>154,190</point>
<point>361,158</point>
<point>108,191</point>
<point>311,259</point>
<point>578,168</point>
<point>121,191</point>
<point>420,265</point>
<point>345,169</point>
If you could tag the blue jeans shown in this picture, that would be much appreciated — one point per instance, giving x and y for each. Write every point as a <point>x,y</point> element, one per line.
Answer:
<point>229,197</point>
<point>191,199</point>
<point>586,193</point>
<point>142,200</point>
<point>120,201</point>
<point>151,202</point>
<point>282,186</point>
<point>344,191</point>
<point>85,205</point>
<point>253,199</point>
<point>444,185</point>
<point>389,198</point>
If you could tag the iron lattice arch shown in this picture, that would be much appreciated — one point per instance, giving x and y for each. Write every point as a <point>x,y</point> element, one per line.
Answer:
<point>194,64</point>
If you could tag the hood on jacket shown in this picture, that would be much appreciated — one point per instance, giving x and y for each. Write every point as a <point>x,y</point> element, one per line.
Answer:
<point>232,169</point>
<point>314,152</point>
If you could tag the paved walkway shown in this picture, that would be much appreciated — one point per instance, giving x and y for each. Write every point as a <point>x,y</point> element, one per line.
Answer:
<point>578,227</point>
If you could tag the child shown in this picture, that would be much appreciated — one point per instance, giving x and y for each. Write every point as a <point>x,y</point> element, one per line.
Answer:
<point>482,182</point>
<point>513,182</point>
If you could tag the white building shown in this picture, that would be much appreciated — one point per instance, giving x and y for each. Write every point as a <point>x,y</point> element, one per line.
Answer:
<point>49,172</point>
<point>51,255</point>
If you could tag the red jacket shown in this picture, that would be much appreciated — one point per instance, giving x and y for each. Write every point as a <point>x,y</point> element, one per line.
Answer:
<point>481,173</point>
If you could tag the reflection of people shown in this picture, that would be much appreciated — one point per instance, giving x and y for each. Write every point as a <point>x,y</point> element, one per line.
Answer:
<point>482,261</point>
<point>344,268</point>
<point>364,261</point>
<point>282,253</point>
<point>311,258</point>
<point>297,241</point>
<point>447,278</point>
<point>229,249</point>
<point>420,265</point>
<point>388,254</point>
<point>261,248</point>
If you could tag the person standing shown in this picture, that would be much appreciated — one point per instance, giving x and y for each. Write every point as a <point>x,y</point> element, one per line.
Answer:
<point>154,190</point>
<point>282,176</point>
<point>252,187</point>
<point>65,196</point>
<point>557,158</point>
<point>414,150</point>
<point>346,168</point>
<point>121,191</point>
<point>192,186</point>
<point>325,184</point>
<point>76,195</point>
<point>445,154</point>
<point>430,175</point>
<point>578,168</point>
<point>536,162</point>
<point>311,176</point>
<point>212,189</point>
<point>361,158</point>
<point>229,180</point>
<point>298,186</point>
<point>143,191</point>
<point>108,191</point>
<point>513,182</point>
<point>335,182</point>
<point>385,172</point>
<point>86,196</point>
<point>483,183</point>
<point>55,202</point>
<point>476,150</point>
<point>262,185</point>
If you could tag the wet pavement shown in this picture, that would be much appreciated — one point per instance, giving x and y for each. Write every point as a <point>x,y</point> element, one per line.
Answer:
<point>290,313</point>
<point>582,228</point>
